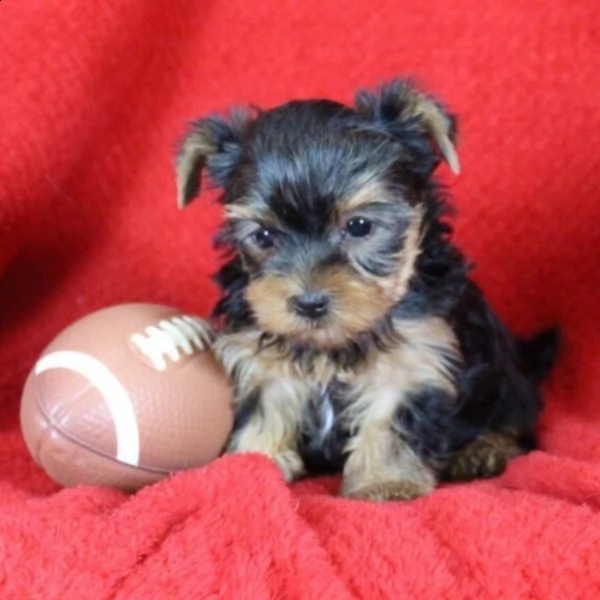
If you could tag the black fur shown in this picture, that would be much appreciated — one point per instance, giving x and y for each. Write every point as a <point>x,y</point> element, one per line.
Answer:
<point>248,407</point>
<point>323,454</point>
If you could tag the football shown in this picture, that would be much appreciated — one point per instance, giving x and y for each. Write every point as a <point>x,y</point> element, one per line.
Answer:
<point>125,397</point>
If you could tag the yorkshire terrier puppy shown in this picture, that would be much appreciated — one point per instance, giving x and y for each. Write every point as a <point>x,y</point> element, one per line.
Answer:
<point>356,341</point>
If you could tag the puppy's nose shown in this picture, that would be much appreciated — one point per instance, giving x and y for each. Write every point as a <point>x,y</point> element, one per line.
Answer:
<point>311,304</point>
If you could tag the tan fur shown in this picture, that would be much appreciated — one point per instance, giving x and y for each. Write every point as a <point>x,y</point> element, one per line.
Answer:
<point>357,303</point>
<point>284,389</point>
<point>487,456</point>
<point>424,356</point>
<point>378,458</point>
<point>243,211</point>
<point>272,430</point>
<point>284,386</point>
<point>417,362</point>
<point>396,286</point>
<point>196,148</point>
<point>369,190</point>
<point>436,123</point>
<point>269,298</point>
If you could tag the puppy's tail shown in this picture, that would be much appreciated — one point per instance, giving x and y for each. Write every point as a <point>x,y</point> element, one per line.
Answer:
<point>539,353</point>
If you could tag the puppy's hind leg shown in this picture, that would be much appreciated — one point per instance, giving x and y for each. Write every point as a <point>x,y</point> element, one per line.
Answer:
<point>486,456</point>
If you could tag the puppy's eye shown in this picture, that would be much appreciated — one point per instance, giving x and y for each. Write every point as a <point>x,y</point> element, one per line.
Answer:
<point>359,227</point>
<point>264,238</point>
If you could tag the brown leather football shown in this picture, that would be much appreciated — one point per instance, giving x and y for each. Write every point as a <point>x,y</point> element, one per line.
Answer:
<point>126,396</point>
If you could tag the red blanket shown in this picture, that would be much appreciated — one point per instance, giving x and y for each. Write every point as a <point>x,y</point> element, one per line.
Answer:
<point>93,97</point>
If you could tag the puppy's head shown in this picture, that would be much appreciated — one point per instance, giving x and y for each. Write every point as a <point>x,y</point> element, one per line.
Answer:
<point>324,204</point>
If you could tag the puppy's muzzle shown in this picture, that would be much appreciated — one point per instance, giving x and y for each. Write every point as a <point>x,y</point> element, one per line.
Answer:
<point>311,305</point>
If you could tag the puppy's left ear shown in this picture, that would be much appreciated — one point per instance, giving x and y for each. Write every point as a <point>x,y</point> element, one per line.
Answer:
<point>213,143</point>
<point>400,105</point>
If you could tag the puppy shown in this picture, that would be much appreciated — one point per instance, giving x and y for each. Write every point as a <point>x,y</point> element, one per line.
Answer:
<point>356,341</point>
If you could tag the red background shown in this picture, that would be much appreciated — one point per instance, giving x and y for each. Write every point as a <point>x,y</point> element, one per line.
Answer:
<point>94,96</point>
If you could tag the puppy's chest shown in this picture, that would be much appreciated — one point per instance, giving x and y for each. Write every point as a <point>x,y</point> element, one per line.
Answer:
<point>316,389</point>
<point>426,354</point>
<point>323,409</point>
<point>336,400</point>
<point>322,390</point>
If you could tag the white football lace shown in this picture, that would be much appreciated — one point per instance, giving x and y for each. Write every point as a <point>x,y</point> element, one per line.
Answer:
<point>172,337</point>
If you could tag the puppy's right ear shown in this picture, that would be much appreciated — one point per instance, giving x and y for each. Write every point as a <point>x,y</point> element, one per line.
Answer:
<point>213,143</point>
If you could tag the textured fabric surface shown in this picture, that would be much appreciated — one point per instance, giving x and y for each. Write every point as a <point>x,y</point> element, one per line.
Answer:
<point>93,97</point>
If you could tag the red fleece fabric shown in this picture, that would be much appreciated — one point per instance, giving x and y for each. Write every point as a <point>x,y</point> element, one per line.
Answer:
<point>94,96</point>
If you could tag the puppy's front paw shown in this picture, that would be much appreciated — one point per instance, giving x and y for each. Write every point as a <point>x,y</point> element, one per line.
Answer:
<point>382,491</point>
<point>289,463</point>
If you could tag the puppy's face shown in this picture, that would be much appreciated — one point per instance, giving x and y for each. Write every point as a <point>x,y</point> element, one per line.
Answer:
<point>323,207</point>
<point>328,241</point>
